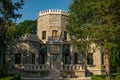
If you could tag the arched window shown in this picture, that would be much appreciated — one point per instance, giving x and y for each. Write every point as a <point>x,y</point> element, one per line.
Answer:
<point>17,58</point>
<point>54,33</point>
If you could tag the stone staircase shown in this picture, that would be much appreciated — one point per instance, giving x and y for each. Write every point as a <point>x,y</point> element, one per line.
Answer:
<point>52,74</point>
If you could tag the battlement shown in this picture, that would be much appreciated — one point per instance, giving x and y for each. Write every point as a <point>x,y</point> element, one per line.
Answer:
<point>53,11</point>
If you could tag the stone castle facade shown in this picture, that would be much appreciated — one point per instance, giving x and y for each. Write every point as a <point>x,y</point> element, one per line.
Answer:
<point>50,55</point>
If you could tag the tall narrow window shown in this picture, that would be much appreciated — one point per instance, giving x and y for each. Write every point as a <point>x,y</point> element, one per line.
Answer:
<point>17,58</point>
<point>54,33</point>
<point>33,58</point>
<point>75,58</point>
<point>43,54</point>
<point>102,58</point>
<point>65,35</point>
<point>43,34</point>
<point>90,58</point>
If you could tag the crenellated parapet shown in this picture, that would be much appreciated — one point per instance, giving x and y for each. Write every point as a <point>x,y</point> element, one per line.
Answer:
<point>53,11</point>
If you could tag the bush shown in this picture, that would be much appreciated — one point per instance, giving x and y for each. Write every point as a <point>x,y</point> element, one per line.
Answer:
<point>14,77</point>
<point>118,75</point>
<point>98,77</point>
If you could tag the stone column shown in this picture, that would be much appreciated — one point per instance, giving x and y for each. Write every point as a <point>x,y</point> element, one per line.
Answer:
<point>61,54</point>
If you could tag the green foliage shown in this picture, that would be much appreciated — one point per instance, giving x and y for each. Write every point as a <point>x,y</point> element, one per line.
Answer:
<point>98,77</point>
<point>118,74</point>
<point>7,13</point>
<point>12,77</point>
<point>8,8</point>
<point>96,21</point>
<point>3,69</point>
<point>27,27</point>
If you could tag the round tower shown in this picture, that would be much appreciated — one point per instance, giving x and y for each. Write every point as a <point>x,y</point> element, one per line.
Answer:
<point>51,23</point>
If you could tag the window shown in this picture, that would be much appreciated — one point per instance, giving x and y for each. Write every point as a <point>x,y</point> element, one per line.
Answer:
<point>75,58</point>
<point>90,58</point>
<point>42,58</point>
<point>65,35</point>
<point>33,58</point>
<point>54,33</point>
<point>43,34</point>
<point>43,54</point>
<point>17,58</point>
<point>102,56</point>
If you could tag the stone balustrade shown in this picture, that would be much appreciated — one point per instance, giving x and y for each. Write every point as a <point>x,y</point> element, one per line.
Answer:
<point>74,67</point>
<point>54,39</point>
<point>35,67</point>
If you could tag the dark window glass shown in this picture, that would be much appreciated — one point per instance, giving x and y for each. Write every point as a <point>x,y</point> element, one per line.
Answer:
<point>33,58</point>
<point>17,58</point>
<point>75,58</point>
<point>43,34</point>
<point>102,58</point>
<point>90,59</point>
<point>65,35</point>
<point>42,58</point>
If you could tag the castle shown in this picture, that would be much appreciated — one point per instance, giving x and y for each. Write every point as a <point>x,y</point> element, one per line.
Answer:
<point>50,54</point>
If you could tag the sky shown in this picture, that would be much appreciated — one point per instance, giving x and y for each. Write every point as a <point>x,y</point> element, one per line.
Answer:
<point>31,8</point>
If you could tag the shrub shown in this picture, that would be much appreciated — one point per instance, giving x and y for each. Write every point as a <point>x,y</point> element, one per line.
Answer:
<point>118,75</point>
<point>98,77</point>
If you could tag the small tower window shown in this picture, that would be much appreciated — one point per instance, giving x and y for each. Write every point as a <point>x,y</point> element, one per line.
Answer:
<point>43,35</point>
<point>54,33</point>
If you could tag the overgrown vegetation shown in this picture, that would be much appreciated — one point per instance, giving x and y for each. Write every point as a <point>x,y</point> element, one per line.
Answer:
<point>96,21</point>
<point>98,77</point>
<point>10,77</point>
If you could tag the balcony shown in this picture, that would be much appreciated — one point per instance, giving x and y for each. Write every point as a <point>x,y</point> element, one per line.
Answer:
<point>54,39</point>
<point>35,67</point>
<point>73,67</point>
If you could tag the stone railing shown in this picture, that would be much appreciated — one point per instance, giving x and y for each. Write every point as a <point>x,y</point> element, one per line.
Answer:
<point>53,39</point>
<point>75,67</point>
<point>35,67</point>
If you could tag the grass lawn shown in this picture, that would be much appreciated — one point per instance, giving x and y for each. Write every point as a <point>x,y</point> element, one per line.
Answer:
<point>14,77</point>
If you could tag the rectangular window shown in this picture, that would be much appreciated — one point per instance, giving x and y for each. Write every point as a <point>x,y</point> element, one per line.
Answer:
<point>90,58</point>
<point>17,58</point>
<point>102,58</point>
<point>65,35</point>
<point>43,35</point>
<point>33,58</point>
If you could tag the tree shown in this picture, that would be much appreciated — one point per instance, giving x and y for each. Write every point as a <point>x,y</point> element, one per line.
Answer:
<point>96,21</point>
<point>7,14</point>
<point>27,27</point>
